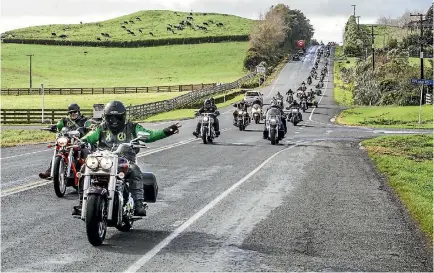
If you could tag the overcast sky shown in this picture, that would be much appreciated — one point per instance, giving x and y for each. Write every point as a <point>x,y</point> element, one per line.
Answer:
<point>327,16</point>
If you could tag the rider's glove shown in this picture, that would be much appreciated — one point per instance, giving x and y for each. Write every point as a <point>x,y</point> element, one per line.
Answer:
<point>172,129</point>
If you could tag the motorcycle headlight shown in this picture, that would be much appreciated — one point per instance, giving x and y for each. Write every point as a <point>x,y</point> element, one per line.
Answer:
<point>92,162</point>
<point>294,110</point>
<point>273,121</point>
<point>106,163</point>
<point>205,118</point>
<point>62,141</point>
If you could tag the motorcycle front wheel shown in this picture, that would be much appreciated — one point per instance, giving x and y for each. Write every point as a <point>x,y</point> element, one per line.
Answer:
<point>59,177</point>
<point>96,221</point>
<point>273,136</point>
<point>205,137</point>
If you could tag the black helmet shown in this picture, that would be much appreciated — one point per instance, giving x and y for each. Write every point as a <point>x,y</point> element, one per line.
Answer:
<point>115,115</point>
<point>207,103</point>
<point>73,107</point>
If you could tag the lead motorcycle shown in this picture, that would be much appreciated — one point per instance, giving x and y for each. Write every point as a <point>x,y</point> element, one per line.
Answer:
<point>107,201</point>
<point>66,161</point>
<point>273,127</point>
<point>207,132</point>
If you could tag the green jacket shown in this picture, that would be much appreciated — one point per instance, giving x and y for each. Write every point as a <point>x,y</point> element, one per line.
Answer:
<point>73,124</point>
<point>107,140</point>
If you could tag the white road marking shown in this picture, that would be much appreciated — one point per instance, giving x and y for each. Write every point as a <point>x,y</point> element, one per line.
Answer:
<point>296,132</point>
<point>154,251</point>
<point>40,183</point>
<point>25,154</point>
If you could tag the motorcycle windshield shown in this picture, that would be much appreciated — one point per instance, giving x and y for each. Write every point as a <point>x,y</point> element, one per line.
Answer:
<point>273,112</point>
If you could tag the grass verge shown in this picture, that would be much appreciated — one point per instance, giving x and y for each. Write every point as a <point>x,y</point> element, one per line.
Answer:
<point>85,101</point>
<point>388,117</point>
<point>15,137</point>
<point>66,66</point>
<point>407,163</point>
<point>188,113</point>
<point>342,91</point>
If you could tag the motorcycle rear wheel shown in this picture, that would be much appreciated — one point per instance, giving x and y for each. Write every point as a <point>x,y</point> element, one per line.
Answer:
<point>59,177</point>
<point>96,222</point>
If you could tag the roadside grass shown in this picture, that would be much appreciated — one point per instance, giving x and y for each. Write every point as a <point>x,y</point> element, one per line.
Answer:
<point>188,113</point>
<point>85,101</point>
<point>388,116</point>
<point>15,137</point>
<point>407,163</point>
<point>414,61</point>
<point>67,66</point>
<point>155,21</point>
<point>342,93</point>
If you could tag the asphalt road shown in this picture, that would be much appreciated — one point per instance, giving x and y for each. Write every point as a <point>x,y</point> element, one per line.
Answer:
<point>312,203</point>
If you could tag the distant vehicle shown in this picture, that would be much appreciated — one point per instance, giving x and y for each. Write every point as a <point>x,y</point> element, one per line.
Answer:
<point>251,96</point>
<point>296,57</point>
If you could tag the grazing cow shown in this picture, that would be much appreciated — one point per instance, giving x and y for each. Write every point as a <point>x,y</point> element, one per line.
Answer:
<point>189,24</point>
<point>99,39</point>
<point>190,18</point>
<point>63,36</point>
<point>81,22</point>
<point>140,30</point>
<point>138,18</point>
<point>173,32</point>
<point>85,52</point>
<point>170,25</point>
<point>133,33</point>
<point>204,28</point>
<point>53,34</point>
<point>126,22</point>
<point>204,14</point>
<point>191,13</point>
<point>103,34</point>
<point>182,22</point>
<point>205,23</point>
<point>219,24</point>
<point>169,29</point>
<point>131,21</point>
<point>124,27</point>
<point>150,33</point>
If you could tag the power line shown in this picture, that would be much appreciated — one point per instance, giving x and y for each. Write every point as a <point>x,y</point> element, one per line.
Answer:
<point>421,51</point>
<point>30,70</point>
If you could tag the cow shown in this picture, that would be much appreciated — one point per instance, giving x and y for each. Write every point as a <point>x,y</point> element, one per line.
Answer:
<point>126,22</point>
<point>150,33</point>
<point>63,36</point>
<point>124,27</point>
<point>98,38</point>
<point>169,29</point>
<point>53,34</point>
<point>131,21</point>
<point>140,30</point>
<point>170,25</point>
<point>190,18</point>
<point>138,19</point>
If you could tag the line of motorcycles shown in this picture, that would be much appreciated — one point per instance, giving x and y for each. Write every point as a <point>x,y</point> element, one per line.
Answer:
<point>107,201</point>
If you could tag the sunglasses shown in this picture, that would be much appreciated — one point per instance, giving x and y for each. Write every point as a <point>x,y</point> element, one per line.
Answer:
<point>73,112</point>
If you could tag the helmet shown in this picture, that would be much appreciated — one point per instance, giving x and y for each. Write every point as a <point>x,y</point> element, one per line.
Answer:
<point>115,115</point>
<point>303,82</point>
<point>74,111</point>
<point>207,103</point>
<point>73,107</point>
<point>273,103</point>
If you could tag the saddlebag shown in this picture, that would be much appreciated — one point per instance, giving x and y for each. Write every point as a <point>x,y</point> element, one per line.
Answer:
<point>150,187</point>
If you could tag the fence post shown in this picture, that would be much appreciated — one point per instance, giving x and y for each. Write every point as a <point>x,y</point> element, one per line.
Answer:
<point>52,116</point>
<point>42,91</point>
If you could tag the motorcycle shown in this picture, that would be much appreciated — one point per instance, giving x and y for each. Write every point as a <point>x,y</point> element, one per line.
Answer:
<point>257,113</point>
<point>243,120</point>
<point>66,161</point>
<point>207,132</point>
<point>107,201</point>
<point>318,92</point>
<point>275,132</point>
<point>294,117</point>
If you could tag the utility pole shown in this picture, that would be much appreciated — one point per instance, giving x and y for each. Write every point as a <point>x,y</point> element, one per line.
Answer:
<point>30,71</point>
<point>358,22</point>
<point>354,6</point>
<point>373,49</point>
<point>421,52</point>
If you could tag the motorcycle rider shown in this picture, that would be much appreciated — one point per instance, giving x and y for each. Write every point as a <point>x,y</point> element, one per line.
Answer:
<point>208,107</point>
<point>290,92</point>
<point>295,104</point>
<point>274,105</point>
<point>242,105</point>
<point>116,129</point>
<point>74,121</point>
<point>279,96</point>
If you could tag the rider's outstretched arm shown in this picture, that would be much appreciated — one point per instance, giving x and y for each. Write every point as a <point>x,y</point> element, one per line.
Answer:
<point>154,134</point>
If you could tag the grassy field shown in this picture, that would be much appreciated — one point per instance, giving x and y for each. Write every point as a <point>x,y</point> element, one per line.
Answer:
<point>414,61</point>
<point>385,33</point>
<point>188,113</point>
<point>388,116</point>
<point>342,91</point>
<point>62,66</point>
<point>85,102</point>
<point>15,137</point>
<point>407,163</point>
<point>155,21</point>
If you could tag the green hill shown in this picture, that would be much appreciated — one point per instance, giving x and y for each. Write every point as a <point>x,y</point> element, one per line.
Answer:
<point>385,33</point>
<point>141,24</point>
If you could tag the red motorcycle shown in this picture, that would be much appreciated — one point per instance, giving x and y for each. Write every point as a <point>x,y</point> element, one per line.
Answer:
<point>66,160</point>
